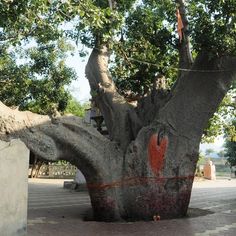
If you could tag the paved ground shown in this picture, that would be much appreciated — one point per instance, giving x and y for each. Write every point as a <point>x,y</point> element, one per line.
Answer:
<point>56,211</point>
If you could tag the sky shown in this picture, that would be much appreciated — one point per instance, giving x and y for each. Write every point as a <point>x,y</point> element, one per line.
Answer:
<point>79,88</point>
<point>216,146</point>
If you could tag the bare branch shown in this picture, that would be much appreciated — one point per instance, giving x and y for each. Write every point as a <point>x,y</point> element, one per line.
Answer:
<point>112,4</point>
<point>185,56</point>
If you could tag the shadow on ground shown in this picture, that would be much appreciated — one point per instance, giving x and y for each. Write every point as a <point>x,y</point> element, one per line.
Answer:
<point>87,215</point>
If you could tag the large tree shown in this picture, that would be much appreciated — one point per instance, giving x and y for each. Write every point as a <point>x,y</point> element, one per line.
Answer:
<point>146,166</point>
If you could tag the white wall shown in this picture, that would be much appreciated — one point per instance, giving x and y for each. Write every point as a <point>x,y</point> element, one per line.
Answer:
<point>14,161</point>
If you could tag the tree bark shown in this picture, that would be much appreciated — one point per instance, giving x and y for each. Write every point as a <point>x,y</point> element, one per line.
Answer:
<point>138,176</point>
<point>121,120</point>
<point>185,55</point>
<point>69,138</point>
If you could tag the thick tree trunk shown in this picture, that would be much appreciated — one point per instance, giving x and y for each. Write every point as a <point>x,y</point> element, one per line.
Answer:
<point>137,185</point>
<point>138,176</point>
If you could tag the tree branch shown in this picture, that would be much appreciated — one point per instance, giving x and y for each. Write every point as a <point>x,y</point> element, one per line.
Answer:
<point>121,125</point>
<point>185,56</point>
<point>198,94</point>
<point>66,138</point>
<point>112,4</point>
<point>149,106</point>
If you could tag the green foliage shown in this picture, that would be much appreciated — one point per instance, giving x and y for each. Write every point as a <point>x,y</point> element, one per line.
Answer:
<point>213,26</point>
<point>201,159</point>
<point>140,34</point>
<point>230,144</point>
<point>146,49</point>
<point>149,35</point>
<point>209,151</point>
<point>27,19</point>
<point>222,118</point>
<point>94,21</point>
<point>76,108</point>
<point>37,81</point>
<point>13,79</point>
<point>230,131</point>
<point>221,154</point>
<point>32,56</point>
<point>231,152</point>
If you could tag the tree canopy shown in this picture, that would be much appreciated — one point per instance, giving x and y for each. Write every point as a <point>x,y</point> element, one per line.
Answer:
<point>141,36</point>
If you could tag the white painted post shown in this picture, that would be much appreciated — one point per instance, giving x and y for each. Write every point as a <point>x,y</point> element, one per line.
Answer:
<point>14,164</point>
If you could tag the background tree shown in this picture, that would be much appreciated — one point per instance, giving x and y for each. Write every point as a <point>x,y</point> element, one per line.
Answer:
<point>230,145</point>
<point>38,83</point>
<point>33,49</point>
<point>209,152</point>
<point>76,108</point>
<point>222,156</point>
<point>147,165</point>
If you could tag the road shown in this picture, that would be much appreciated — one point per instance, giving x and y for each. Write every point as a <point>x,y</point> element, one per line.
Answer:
<point>53,210</point>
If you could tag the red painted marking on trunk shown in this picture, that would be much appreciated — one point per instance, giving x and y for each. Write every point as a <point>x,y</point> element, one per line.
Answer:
<point>134,181</point>
<point>156,153</point>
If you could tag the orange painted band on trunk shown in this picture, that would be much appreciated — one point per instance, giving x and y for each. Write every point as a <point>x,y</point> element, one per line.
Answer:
<point>135,181</point>
<point>180,25</point>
